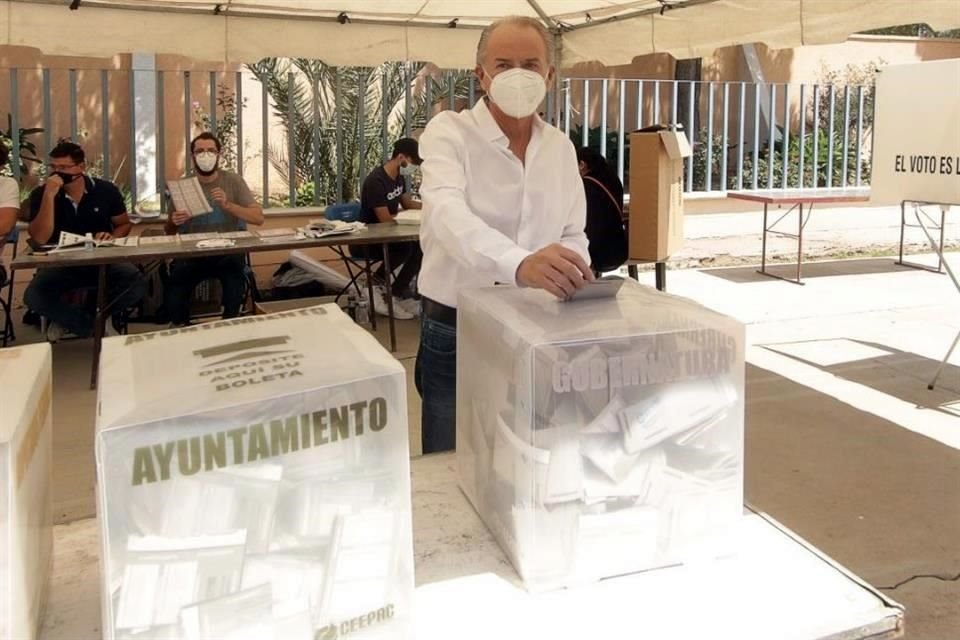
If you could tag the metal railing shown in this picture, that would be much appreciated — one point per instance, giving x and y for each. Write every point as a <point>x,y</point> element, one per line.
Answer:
<point>306,139</point>
<point>743,135</point>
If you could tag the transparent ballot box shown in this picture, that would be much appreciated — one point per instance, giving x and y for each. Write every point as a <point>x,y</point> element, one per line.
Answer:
<point>253,482</point>
<point>599,437</point>
<point>26,536</point>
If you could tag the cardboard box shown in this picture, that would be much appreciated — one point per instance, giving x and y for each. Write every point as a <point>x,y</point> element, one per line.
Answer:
<point>253,482</point>
<point>656,194</point>
<point>26,534</point>
<point>600,437</point>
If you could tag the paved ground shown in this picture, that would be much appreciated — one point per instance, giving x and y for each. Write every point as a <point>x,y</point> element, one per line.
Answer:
<point>845,444</point>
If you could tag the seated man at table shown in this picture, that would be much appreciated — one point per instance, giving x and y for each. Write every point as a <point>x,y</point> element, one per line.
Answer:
<point>71,201</point>
<point>232,208</point>
<point>384,190</point>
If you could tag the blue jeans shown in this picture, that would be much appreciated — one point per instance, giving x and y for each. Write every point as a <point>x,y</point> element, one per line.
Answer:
<point>126,286</point>
<point>435,376</point>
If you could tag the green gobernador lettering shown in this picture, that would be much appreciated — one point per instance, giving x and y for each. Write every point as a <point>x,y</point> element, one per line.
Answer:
<point>208,452</point>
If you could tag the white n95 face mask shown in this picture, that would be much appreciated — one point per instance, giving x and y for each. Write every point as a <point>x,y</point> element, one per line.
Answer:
<point>206,161</point>
<point>518,92</point>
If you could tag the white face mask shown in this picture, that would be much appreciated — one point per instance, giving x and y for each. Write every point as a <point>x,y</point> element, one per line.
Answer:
<point>408,170</point>
<point>206,160</point>
<point>518,92</point>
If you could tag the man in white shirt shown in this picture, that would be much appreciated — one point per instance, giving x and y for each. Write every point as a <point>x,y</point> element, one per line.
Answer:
<point>503,203</point>
<point>9,208</point>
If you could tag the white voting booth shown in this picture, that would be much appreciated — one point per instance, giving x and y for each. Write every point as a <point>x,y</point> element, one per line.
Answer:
<point>26,540</point>
<point>600,437</point>
<point>916,152</point>
<point>253,482</point>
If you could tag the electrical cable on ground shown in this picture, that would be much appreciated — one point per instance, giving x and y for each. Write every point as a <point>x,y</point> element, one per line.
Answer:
<point>922,575</point>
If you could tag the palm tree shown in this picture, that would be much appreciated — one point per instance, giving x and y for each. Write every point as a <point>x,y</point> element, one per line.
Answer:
<point>372,101</point>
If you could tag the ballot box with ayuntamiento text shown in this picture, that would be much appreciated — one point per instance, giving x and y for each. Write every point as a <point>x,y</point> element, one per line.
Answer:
<point>26,538</point>
<point>599,437</point>
<point>253,482</point>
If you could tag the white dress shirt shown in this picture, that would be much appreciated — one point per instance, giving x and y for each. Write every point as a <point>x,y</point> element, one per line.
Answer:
<point>484,210</point>
<point>9,197</point>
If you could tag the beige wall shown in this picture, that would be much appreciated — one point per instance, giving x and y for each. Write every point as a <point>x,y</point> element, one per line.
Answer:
<point>29,62</point>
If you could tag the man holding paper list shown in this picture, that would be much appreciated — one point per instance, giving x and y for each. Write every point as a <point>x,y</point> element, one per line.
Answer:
<point>72,202</point>
<point>230,207</point>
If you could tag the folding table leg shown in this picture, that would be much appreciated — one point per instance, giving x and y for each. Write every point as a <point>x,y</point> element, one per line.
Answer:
<point>98,322</point>
<point>763,250</point>
<point>938,248</point>
<point>800,239</point>
<point>370,310</point>
<point>943,363</point>
<point>388,274</point>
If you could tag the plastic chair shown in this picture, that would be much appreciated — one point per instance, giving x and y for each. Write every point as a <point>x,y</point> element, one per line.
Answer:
<point>344,211</point>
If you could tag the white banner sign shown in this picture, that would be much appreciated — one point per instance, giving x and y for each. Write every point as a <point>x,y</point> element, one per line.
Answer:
<point>916,148</point>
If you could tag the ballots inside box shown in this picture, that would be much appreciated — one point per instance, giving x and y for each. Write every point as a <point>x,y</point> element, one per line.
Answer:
<point>622,414</point>
<point>234,483</point>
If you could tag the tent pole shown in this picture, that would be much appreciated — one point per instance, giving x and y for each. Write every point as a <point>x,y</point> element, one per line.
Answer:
<point>557,76</point>
<point>555,30</point>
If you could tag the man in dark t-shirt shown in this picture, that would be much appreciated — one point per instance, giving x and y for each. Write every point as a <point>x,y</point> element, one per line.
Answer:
<point>384,191</point>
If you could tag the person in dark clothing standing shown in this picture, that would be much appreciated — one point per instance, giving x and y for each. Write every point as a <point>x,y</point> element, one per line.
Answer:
<point>384,191</point>
<point>605,230</point>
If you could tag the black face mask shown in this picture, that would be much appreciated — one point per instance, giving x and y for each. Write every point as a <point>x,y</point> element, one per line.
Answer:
<point>67,177</point>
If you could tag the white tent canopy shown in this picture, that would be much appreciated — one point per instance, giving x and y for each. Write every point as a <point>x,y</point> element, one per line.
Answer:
<point>367,32</point>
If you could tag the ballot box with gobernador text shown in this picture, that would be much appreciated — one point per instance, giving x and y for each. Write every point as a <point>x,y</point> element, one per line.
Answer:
<point>253,482</point>
<point>26,539</point>
<point>599,437</point>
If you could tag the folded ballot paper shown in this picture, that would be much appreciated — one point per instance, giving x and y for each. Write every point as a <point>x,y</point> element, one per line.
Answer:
<point>253,486</point>
<point>599,437</point>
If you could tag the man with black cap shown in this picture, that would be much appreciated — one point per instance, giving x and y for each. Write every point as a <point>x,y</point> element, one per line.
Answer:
<point>384,191</point>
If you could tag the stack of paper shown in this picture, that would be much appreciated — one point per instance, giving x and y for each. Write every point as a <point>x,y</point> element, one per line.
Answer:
<point>146,241</point>
<point>324,228</point>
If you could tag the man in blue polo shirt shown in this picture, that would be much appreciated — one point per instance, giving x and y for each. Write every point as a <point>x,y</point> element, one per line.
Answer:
<point>71,201</point>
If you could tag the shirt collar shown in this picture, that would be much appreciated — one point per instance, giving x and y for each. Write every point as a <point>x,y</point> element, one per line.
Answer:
<point>87,187</point>
<point>489,126</point>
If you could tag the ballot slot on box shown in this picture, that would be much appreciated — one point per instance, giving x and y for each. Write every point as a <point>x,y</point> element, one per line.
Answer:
<point>259,490</point>
<point>26,534</point>
<point>616,447</point>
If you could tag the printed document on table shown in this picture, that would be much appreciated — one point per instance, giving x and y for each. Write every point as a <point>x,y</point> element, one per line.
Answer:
<point>187,195</point>
<point>276,233</point>
<point>150,240</point>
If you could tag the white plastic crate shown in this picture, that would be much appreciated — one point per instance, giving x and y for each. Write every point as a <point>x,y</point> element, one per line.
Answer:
<point>599,437</point>
<point>254,482</point>
<point>26,436</point>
